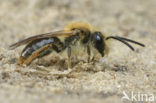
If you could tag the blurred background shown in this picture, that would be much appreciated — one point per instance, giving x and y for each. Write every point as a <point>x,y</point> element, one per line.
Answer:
<point>134,71</point>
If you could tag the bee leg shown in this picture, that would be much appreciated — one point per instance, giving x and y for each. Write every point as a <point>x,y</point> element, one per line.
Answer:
<point>35,54</point>
<point>20,61</point>
<point>69,57</point>
<point>88,52</point>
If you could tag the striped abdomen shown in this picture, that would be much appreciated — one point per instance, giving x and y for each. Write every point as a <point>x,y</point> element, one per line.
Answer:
<point>39,44</point>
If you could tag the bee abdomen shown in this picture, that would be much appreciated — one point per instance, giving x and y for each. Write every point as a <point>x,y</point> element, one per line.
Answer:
<point>39,43</point>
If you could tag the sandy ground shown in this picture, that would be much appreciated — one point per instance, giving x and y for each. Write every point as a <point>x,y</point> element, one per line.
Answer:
<point>102,81</point>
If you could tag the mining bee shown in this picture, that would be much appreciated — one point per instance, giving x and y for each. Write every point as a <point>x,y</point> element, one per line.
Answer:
<point>76,39</point>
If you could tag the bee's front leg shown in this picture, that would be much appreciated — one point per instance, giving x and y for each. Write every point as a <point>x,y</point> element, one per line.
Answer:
<point>69,57</point>
<point>88,52</point>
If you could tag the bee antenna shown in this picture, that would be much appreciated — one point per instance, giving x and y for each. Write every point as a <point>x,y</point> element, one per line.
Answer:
<point>121,40</point>
<point>132,41</point>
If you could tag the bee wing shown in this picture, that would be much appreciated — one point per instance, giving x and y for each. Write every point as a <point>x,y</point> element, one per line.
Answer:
<point>51,34</point>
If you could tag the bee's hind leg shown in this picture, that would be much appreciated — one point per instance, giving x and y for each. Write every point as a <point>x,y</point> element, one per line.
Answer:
<point>20,61</point>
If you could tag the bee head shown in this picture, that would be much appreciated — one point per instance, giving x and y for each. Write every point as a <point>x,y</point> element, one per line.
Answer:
<point>98,42</point>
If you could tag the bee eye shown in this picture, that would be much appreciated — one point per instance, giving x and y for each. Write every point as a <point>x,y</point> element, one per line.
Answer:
<point>98,42</point>
<point>97,36</point>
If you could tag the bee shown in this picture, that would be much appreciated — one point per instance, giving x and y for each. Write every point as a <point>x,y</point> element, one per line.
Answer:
<point>77,38</point>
